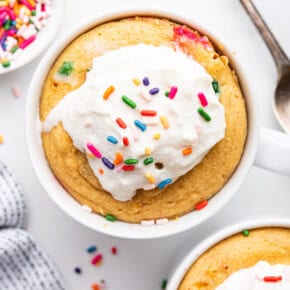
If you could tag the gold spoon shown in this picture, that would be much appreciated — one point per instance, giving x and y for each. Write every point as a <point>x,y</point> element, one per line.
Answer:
<point>282,92</point>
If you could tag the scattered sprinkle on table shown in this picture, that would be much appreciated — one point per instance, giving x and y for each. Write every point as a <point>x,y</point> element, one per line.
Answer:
<point>66,68</point>
<point>163,284</point>
<point>15,91</point>
<point>96,287</point>
<point>114,250</point>
<point>97,259</point>
<point>92,249</point>
<point>78,270</point>
<point>246,233</point>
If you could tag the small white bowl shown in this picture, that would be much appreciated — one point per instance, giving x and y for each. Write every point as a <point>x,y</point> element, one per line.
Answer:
<point>180,270</point>
<point>45,36</point>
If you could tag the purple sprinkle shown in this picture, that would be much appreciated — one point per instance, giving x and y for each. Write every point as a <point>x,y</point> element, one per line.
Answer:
<point>108,163</point>
<point>154,91</point>
<point>78,270</point>
<point>146,81</point>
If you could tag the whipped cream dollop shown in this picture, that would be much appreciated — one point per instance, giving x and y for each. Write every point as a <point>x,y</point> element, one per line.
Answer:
<point>261,276</point>
<point>140,117</point>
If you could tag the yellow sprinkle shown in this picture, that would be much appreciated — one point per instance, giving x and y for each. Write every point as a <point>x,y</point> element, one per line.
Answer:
<point>148,151</point>
<point>108,92</point>
<point>150,177</point>
<point>156,136</point>
<point>136,82</point>
<point>164,122</point>
<point>1,139</point>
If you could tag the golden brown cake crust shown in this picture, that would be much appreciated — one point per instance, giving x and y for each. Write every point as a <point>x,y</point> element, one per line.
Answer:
<point>235,253</point>
<point>71,167</point>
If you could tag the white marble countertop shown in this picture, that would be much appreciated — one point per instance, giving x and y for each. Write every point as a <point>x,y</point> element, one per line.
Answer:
<point>141,265</point>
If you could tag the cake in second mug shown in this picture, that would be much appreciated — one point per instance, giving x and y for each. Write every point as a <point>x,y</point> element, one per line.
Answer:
<point>257,259</point>
<point>143,119</point>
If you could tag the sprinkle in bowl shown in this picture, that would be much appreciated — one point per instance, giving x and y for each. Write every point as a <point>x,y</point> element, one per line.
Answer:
<point>27,28</point>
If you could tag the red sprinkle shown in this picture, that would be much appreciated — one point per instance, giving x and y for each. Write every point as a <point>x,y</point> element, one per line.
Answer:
<point>183,31</point>
<point>128,167</point>
<point>126,141</point>
<point>97,259</point>
<point>201,205</point>
<point>121,123</point>
<point>114,251</point>
<point>272,278</point>
<point>202,99</point>
<point>172,92</point>
<point>148,113</point>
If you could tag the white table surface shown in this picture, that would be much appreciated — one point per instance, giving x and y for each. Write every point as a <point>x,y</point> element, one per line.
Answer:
<point>141,265</point>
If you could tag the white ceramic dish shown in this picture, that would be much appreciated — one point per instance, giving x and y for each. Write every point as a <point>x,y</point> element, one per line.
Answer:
<point>136,231</point>
<point>222,234</point>
<point>44,38</point>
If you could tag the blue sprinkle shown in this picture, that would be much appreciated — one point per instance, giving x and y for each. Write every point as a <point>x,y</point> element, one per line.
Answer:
<point>163,183</point>
<point>112,139</point>
<point>154,91</point>
<point>91,249</point>
<point>140,125</point>
<point>108,163</point>
<point>146,81</point>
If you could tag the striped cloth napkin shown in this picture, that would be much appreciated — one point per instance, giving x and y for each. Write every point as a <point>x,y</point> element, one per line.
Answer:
<point>23,265</point>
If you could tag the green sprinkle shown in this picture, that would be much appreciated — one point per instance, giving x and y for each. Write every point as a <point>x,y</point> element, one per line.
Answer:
<point>204,114</point>
<point>14,49</point>
<point>131,161</point>
<point>33,13</point>
<point>246,233</point>
<point>110,217</point>
<point>216,87</point>
<point>6,63</point>
<point>66,68</point>
<point>164,284</point>
<point>148,160</point>
<point>129,102</point>
<point>7,25</point>
<point>166,94</point>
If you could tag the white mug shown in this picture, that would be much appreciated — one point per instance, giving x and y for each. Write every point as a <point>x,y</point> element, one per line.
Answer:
<point>181,269</point>
<point>269,141</point>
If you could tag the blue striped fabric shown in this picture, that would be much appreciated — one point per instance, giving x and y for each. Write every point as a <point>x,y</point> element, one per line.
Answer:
<point>23,265</point>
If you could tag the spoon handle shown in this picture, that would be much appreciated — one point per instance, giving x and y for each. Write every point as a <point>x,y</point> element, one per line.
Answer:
<point>277,52</point>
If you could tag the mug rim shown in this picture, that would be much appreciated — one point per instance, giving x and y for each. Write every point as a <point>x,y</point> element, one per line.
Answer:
<point>72,207</point>
<point>218,236</point>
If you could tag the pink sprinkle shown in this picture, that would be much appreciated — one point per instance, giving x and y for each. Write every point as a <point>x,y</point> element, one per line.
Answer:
<point>97,259</point>
<point>172,92</point>
<point>94,150</point>
<point>119,168</point>
<point>134,133</point>
<point>202,99</point>
<point>16,91</point>
<point>28,41</point>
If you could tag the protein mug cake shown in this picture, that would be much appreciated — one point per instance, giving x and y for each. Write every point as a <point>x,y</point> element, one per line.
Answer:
<point>252,260</point>
<point>142,119</point>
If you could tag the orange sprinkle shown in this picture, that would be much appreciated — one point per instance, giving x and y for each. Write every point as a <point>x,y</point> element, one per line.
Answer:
<point>148,151</point>
<point>150,177</point>
<point>96,287</point>
<point>108,92</point>
<point>1,139</point>
<point>164,122</point>
<point>118,159</point>
<point>136,82</point>
<point>187,151</point>
<point>101,171</point>
<point>156,136</point>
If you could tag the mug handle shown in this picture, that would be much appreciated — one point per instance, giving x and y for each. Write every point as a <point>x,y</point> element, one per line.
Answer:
<point>273,151</point>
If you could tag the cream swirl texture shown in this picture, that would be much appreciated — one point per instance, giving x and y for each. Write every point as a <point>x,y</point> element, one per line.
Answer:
<point>261,276</point>
<point>134,136</point>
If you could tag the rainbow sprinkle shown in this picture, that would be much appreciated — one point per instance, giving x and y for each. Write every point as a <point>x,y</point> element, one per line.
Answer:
<point>136,81</point>
<point>164,122</point>
<point>164,183</point>
<point>156,136</point>
<point>112,139</point>
<point>126,141</point>
<point>187,151</point>
<point>146,81</point>
<point>147,151</point>
<point>150,178</point>
<point>154,91</point>
<point>108,92</point>
<point>110,218</point>
<point>108,163</point>
<point>202,99</point>
<point>121,123</point>
<point>204,114</point>
<point>148,161</point>
<point>129,102</point>
<point>172,93</point>
<point>94,150</point>
<point>118,158</point>
<point>148,113</point>
<point>128,167</point>
<point>131,161</point>
<point>140,125</point>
